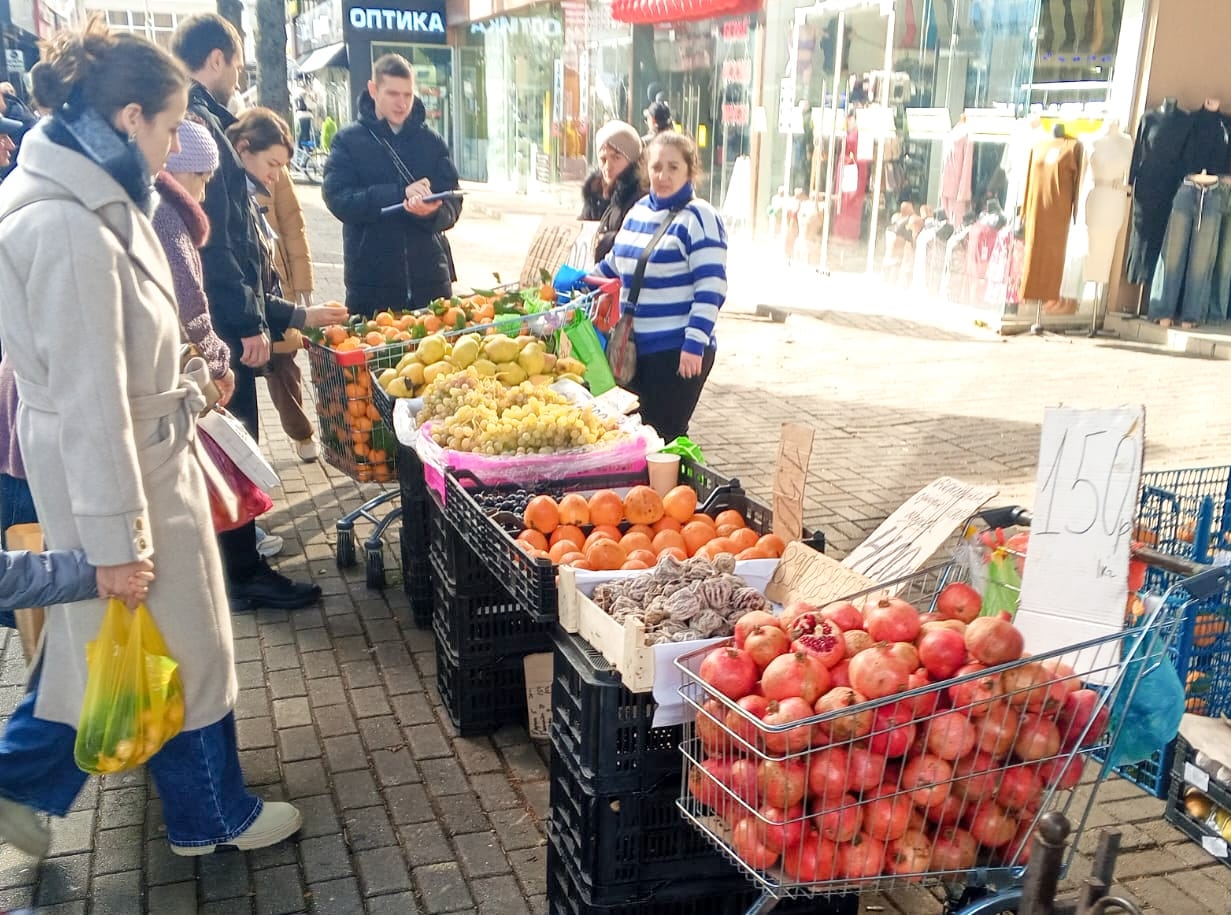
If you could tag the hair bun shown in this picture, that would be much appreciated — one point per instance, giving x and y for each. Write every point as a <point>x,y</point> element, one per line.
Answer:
<point>70,59</point>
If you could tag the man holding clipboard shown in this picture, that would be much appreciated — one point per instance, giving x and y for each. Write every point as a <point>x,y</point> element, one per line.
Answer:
<point>390,181</point>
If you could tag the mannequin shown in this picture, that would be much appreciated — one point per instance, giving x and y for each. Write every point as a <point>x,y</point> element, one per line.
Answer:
<point>1050,208</point>
<point>957,171</point>
<point>1111,155</point>
<point>1156,173</point>
<point>1209,141</point>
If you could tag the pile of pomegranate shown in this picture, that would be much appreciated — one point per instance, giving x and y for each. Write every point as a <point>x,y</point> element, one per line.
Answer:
<point>949,775</point>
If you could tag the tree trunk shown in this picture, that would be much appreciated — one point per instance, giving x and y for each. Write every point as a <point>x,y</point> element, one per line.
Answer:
<point>233,12</point>
<point>271,88</point>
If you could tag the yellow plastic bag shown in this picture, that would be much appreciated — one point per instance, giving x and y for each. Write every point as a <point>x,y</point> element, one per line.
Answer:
<point>134,700</point>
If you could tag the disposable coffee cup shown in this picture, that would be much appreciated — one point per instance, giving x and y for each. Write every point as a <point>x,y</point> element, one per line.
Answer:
<point>664,472</point>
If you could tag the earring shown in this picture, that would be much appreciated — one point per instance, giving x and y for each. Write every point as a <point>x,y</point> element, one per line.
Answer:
<point>132,137</point>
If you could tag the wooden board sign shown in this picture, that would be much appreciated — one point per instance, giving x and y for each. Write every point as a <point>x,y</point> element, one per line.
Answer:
<point>909,537</point>
<point>790,475</point>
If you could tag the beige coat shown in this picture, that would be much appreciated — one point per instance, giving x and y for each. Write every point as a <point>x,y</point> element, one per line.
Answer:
<point>88,317</point>
<point>292,259</point>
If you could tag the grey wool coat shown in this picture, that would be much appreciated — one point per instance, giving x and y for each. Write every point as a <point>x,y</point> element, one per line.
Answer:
<point>88,317</point>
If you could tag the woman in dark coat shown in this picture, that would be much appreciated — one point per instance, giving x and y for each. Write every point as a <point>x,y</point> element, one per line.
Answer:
<point>612,188</point>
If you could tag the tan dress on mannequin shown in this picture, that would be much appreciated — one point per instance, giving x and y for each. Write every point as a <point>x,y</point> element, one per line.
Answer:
<point>1050,206</point>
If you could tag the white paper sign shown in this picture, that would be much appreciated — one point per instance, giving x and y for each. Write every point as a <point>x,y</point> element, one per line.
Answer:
<point>1075,580</point>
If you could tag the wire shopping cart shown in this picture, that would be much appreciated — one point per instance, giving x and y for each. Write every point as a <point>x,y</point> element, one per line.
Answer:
<point>826,805</point>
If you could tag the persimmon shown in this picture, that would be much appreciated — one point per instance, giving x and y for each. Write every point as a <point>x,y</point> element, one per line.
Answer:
<point>570,532</point>
<point>665,540</point>
<point>666,523</point>
<point>675,551</point>
<point>696,535</point>
<point>533,539</point>
<point>744,538</point>
<point>643,505</point>
<point>730,516</point>
<point>772,543</point>
<point>631,565</point>
<point>649,557</point>
<point>559,550</point>
<point>703,518</point>
<point>680,503</point>
<point>605,555</point>
<point>641,529</point>
<point>571,559</point>
<point>582,564</point>
<point>542,514</point>
<point>726,530</point>
<point>635,540</point>
<point>754,552</point>
<point>574,509</point>
<point>606,507</point>
<point>600,534</point>
<point>723,545</point>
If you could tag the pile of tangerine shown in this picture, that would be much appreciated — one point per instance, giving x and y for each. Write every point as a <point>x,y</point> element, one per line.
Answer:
<point>606,533</point>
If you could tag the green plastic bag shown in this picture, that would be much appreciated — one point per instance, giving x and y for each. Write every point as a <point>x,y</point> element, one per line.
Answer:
<point>1004,585</point>
<point>589,349</point>
<point>686,448</point>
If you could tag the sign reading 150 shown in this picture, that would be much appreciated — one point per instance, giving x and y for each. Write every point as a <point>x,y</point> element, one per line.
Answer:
<point>1096,491</point>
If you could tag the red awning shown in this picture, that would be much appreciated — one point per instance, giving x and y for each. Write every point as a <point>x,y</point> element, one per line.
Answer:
<point>653,12</point>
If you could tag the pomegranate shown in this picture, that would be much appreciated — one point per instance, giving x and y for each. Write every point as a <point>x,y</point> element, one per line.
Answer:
<point>932,621</point>
<point>893,731</point>
<point>709,727</point>
<point>918,822</point>
<point>891,619</point>
<point>948,813</point>
<point>954,850</point>
<point>843,614</point>
<point>787,711</point>
<point>959,601</point>
<point>866,769</point>
<point>782,828</point>
<point>793,611</point>
<point>1062,773</point>
<point>950,735</point>
<point>705,782</point>
<point>1037,738</point>
<point>991,825</point>
<point>1080,711</point>
<point>978,776</point>
<point>924,704</point>
<point>753,619</point>
<point>1062,675</point>
<point>861,858</point>
<point>909,853</point>
<point>840,675</point>
<point>927,779</point>
<point>974,694</point>
<point>1021,788</point>
<point>848,726</point>
<point>783,782</point>
<point>827,774</point>
<point>993,640</point>
<point>942,652</point>
<point>842,822</point>
<point>764,643</point>
<point>825,643</point>
<point>729,670</point>
<point>813,860</point>
<point>855,641</point>
<point>797,674</point>
<point>742,779</point>
<point>747,838</point>
<point>997,730</point>
<point>906,653</point>
<point>877,673</point>
<point>756,706</point>
<point>1018,851</point>
<point>887,818</point>
<point>1026,686</point>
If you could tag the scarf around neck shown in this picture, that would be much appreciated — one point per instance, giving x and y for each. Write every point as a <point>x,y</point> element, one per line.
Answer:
<point>78,127</point>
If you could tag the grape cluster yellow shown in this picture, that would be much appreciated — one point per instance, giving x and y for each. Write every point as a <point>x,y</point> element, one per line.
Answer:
<point>477,413</point>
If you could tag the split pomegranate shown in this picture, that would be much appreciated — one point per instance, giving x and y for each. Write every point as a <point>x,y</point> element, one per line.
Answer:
<point>793,610</point>
<point>764,643</point>
<point>861,858</point>
<point>748,842</point>
<point>782,828</point>
<point>893,731</point>
<point>950,735</point>
<point>797,674</point>
<point>877,673</point>
<point>787,711</point>
<point>927,778</point>
<point>843,614</point>
<point>1037,738</point>
<point>910,853</point>
<point>783,782</point>
<point>827,770</point>
<point>842,822</point>
<point>959,601</point>
<point>752,620</point>
<point>825,643</point>
<point>942,651</point>
<point>729,670</point>
<point>954,850</point>
<point>993,640</point>
<point>813,860</point>
<point>848,726</point>
<point>891,619</point>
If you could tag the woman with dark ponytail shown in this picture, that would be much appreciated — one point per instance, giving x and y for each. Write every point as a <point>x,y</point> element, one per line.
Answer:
<point>89,318</point>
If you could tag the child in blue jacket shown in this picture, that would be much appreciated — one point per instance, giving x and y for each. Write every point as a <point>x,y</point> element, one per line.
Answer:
<point>54,577</point>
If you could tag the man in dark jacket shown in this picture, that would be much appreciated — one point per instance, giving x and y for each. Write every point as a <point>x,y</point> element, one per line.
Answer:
<point>388,161</point>
<point>212,51</point>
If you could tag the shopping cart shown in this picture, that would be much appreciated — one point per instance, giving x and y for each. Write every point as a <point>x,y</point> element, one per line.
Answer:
<point>958,815</point>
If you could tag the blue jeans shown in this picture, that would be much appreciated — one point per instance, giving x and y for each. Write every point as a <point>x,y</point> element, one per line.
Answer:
<point>196,773</point>
<point>16,507</point>
<point>1220,296</point>
<point>1184,280</point>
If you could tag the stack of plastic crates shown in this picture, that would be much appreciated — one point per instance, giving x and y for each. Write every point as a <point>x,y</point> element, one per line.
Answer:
<point>415,539</point>
<point>358,440</point>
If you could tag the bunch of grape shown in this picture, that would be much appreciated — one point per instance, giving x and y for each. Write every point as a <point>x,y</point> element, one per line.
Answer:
<point>479,414</point>
<point>514,501</point>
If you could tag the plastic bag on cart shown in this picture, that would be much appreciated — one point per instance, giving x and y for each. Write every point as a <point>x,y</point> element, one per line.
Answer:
<point>589,349</point>
<point>1149,716</point>
<point>250,500</point>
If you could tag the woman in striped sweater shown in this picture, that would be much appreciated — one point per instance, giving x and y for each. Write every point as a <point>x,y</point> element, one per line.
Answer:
<point>685,284</point>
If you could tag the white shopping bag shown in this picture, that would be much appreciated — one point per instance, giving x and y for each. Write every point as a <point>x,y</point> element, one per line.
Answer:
<point>231,436</point>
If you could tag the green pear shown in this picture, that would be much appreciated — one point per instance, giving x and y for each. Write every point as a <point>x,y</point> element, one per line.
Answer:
<point>500,348</point>
<point>510,374</point>
<point>484,367</point>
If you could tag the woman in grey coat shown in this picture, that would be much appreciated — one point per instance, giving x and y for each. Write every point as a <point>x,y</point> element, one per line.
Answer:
<point>107,424</point>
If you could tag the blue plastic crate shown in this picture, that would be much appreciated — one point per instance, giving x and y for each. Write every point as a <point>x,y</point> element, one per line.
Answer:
<point>1186,512</point>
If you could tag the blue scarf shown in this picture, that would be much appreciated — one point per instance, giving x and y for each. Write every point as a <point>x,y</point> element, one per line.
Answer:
<point>78,127</point>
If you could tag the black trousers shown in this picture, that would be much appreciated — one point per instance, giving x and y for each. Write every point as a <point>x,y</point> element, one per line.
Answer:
<point>238,547</point>
<point>667,400</point>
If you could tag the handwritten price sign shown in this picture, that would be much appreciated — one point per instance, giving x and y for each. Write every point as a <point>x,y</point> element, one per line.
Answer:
<point>1076,576</point>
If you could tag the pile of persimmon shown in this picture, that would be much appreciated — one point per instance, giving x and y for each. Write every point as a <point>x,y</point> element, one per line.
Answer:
<point>606,532</point>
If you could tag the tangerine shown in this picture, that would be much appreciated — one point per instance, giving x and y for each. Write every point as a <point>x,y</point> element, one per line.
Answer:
<point>384,319</point>
<point>606,507</point>
<point>542,514</point>
<point>631,565</point>
<point>570,532</point>
<point>667,540</point>
<point>335,334</point>
<point>773,543</point>
<point>574,509</point>
<point>666,524</point>
<point>375,338</point>
<point>533,539</point>
<point>680,503</point>
<point>744,538</point>
<point>696,535</point>
<point>731,516</point>
<point>635,540</point>
<point>643,505</point>
<point>605,555</point>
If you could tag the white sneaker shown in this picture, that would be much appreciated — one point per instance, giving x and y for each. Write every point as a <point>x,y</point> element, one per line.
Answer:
<point>275,822</point>
<point>267,544</point>
<point>21,828</point>
<point>308,450</point>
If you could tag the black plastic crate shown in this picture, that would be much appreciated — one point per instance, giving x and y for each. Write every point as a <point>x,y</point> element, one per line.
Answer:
<point>1202,832</point>
<point>480,697</point>
<point>486,627</point>
<point>604,730</point>
<point>454,559</point>
<point>417,583</point>
<point>531,580</point>
<point>415,520</point>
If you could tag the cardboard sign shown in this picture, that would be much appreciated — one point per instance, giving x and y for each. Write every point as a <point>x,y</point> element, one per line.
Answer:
<point>556,243</point>
<point>805,574</point>
<point>1075,581</point>
<point>794,452</point>
<point>911,535</point>
<point>539,673</point>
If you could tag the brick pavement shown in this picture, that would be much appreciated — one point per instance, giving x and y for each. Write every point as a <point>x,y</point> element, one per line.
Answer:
<point>338,708</point>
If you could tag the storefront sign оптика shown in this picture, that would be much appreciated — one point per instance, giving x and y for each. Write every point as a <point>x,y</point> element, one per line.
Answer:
<point>383,19</point>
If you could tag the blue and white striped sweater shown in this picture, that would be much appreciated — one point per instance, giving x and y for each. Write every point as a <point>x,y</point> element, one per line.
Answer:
<point>685,279</point>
